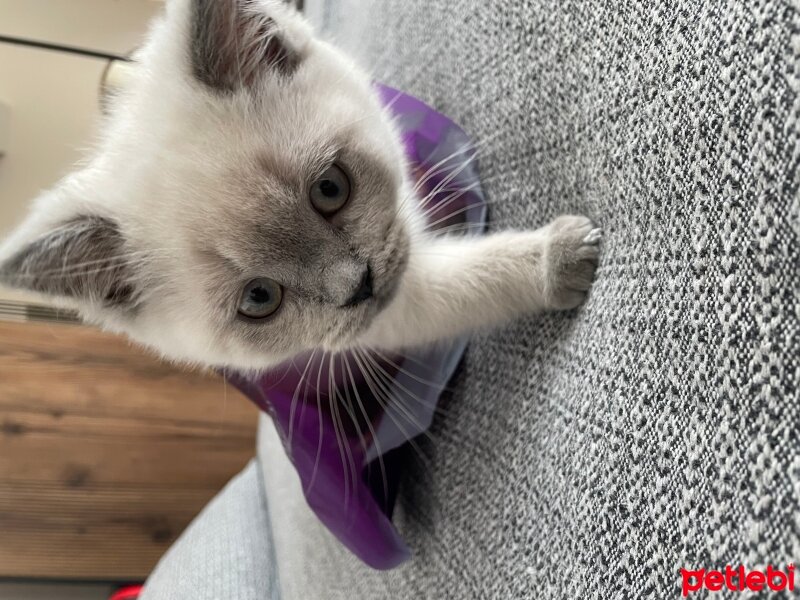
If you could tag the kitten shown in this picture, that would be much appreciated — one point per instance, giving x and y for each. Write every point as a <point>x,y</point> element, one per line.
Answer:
<point>249,201</point>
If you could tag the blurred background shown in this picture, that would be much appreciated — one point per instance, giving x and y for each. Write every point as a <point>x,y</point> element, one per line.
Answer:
<point>105,454</point>
<point>51,99</point>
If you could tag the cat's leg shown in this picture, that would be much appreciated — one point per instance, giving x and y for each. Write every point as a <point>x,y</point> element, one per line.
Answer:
<point>453,285</point>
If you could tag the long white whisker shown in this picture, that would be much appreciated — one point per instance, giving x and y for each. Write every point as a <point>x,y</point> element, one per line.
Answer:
<point>295,398</point>
<point>372,432</point>
<point>370,379</point>
<point>341,437</point>
<point>348,406</point>
<point>428,404</point>
<point>321,431</point>
<point>389,380</point>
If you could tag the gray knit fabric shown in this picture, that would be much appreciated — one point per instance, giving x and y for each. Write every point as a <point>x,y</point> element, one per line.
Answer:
<point>226,554</point>
<point>594,454</point>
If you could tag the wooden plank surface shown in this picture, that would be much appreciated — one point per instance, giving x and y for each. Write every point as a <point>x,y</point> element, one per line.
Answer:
<point>106,454</point>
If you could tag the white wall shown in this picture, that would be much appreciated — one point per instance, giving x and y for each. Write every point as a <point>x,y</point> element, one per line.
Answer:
<point>53,97</point>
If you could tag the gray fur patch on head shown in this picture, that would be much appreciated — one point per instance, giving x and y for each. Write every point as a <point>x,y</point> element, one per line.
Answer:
<point>84,259</point>
<point>233,43</point>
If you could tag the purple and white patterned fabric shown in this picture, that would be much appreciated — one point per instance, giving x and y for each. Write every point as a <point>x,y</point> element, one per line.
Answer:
<point>338,424</point>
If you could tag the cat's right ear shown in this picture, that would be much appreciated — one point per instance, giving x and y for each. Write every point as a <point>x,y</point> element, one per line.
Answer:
<point>235,43</point>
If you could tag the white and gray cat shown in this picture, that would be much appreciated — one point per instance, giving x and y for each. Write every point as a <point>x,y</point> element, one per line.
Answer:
<point>249,201</point>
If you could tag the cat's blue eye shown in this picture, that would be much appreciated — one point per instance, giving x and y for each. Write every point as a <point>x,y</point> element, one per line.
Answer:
<point>260,298</point>
<point>330,192</point>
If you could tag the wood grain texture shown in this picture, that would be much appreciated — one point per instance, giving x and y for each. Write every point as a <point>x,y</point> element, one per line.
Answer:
<point>106,454</point>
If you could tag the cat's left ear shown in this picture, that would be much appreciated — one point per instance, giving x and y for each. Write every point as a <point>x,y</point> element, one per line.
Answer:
<point>83,259</point>
<point>234,43</point>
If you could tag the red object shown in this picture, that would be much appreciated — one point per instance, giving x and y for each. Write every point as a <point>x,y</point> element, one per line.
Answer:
<point>130,592</point>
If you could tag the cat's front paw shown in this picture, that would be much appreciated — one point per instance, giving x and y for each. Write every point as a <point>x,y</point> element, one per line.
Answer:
<point>571,253</point>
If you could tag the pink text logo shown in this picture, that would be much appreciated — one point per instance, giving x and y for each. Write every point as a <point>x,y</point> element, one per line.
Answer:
<point>737,580</point>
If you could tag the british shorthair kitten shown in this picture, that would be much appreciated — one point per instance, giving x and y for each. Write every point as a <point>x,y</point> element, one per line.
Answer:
<point>249,201</point>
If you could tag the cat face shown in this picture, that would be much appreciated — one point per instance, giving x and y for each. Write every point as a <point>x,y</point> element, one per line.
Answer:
<point>246,203</point>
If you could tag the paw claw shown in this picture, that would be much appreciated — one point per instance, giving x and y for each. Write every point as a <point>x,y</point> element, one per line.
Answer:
<point>594,236</point>
<point>574,243</point>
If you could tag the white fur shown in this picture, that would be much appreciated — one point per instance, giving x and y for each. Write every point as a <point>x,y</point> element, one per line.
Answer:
<point>163,170</point>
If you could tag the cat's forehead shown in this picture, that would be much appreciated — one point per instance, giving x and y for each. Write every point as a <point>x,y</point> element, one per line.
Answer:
<point>258,195</point>
<point>282,142</point>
